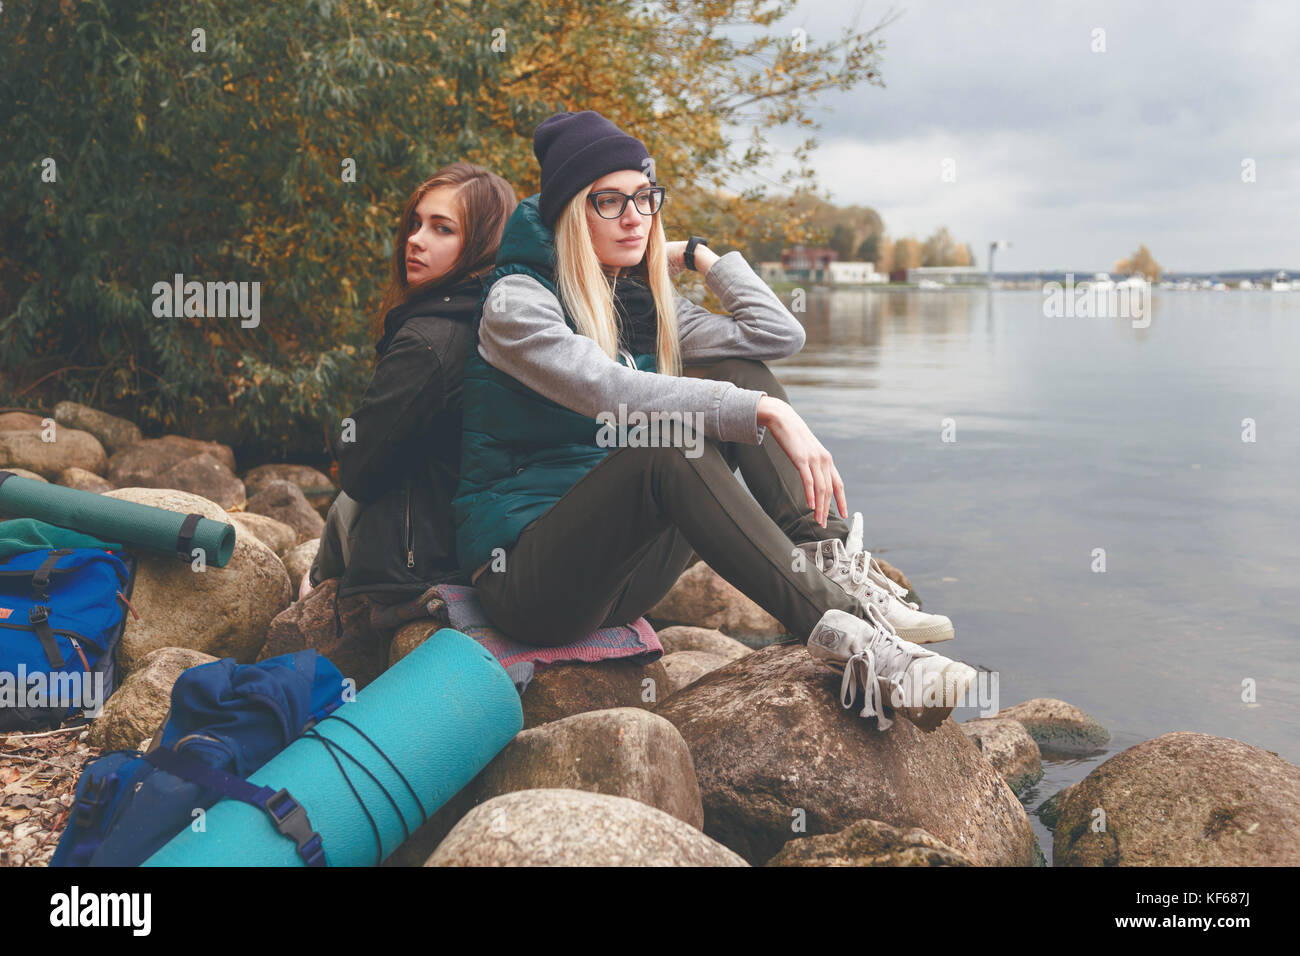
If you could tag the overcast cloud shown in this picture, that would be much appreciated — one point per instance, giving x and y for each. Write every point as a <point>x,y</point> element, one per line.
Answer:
<point>1075,156</point>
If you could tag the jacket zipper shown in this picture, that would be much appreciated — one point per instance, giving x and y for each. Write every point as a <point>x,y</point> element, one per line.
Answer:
<point>410,545</point>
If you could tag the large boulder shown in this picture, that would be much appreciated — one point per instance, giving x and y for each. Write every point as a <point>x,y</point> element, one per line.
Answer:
<point>625,751</point>
<point>141,702</point>
<point>686,667</point>
<point>1182,799</point>
<point>224,612</point>
<point>315,486</point>
<point>276,535</point>
<point>113,433</point>
<point>29,475</point>
<point>21,422</point>
<point>774,749</point>
<point>283,501</point>
<point>343,634</point>
<point>562,690</point>
<point>204,475</point>
<point>1007,745</point>
<point>703,598</point>
<point>82,480</point>
<point>869,843</point>
<point>298,561</point>
<point>196,446</point>
<point>70,449</point>
<point>556,827</point>
<point>1058,727</point>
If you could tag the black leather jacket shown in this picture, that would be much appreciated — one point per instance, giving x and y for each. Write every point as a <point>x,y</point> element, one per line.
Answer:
<point>404,463</point>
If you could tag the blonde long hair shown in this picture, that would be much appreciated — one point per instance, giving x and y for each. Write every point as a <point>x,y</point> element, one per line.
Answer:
<point>589,297</point>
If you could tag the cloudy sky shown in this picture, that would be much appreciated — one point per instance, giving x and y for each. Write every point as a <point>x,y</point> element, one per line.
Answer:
<point>1076,156</point>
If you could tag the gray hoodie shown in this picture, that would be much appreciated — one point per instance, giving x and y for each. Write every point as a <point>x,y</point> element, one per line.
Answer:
<point>523,333</point>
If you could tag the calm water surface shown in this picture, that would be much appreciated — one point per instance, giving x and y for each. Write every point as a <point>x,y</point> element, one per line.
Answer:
<point>1074,434</point>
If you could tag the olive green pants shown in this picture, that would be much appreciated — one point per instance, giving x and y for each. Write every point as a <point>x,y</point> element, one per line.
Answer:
<point>616,542</point>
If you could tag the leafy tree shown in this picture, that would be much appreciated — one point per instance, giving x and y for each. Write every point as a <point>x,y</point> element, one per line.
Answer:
<point>211,139</point>
<point>1140,263</point>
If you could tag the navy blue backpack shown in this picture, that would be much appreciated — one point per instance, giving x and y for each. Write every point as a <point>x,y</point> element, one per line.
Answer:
<point>226,721</point>
<point>62,613</point>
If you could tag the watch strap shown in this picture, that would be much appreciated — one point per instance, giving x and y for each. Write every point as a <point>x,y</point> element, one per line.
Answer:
<point>689,256</point>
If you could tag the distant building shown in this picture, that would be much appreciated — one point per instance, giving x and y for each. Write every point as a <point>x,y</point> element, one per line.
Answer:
<point>771,272</point>
<point>949,275</point>
<point>854,273</point>
<point>808,263</point>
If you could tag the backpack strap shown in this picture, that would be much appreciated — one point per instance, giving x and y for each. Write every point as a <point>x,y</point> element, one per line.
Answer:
<point>287,814</point>
<point>39,616</point>
<point>185,538</point>
<point>41,576</point>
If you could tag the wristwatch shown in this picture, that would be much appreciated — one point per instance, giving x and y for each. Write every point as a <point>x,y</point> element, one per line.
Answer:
<point>689,257</point>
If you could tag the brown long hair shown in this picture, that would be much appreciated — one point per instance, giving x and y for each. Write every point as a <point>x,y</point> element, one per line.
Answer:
<point>485,201</point>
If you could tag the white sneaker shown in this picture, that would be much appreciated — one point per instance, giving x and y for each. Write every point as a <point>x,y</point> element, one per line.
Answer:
<point>918,684</point>
<point>852,568</point>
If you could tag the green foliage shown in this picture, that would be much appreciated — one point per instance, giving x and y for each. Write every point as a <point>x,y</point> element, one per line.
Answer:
<point>219,156</point>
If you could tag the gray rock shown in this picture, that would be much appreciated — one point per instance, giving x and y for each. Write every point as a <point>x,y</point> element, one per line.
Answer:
<point>575,828</point>
<point>276,535</point>
<point>315,485</point>
<point>869,843</point>
<point>1058,727</point>
<point>113,433</point>
<point>283,501</point>
<point>224,612</point>
<point>686,667</point>
<point>298,561</point>
<point>82,480</point>
<point>21,422</point>
<point>1007,745</point>
<point>625,752</point>
<point>1183,799</point>
<point>70,449</point>
<point>710,640</point>
<point>206,476</point>
<point>195,446</point>
<point>703,598</point>
<point>773,747</point>
<point>138,707</point>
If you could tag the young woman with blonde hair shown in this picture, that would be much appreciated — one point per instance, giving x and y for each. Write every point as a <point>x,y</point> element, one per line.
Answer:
<point>581,326</point>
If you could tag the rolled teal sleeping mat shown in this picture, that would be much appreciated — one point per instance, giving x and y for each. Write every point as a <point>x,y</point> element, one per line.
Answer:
<point>440,714</point>
<point>134,525</point>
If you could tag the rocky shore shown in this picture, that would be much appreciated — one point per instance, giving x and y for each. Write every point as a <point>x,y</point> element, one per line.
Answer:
<point>731,750</point>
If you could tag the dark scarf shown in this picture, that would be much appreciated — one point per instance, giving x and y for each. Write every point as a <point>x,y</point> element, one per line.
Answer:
<point>461,304</point>
<point>638,321</point>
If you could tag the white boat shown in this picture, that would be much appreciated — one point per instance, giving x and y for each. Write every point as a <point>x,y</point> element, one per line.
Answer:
<point>1220,287</point>
<point>1281,282</point>
<point>1135,281</point>
<point>1101,281</point>
<point>1246,285</point>
<point>929,284</point>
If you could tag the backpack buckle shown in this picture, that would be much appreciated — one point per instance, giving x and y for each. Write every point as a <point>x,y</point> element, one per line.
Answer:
<point>290,820</point>
<point>92,797</point>
<point>39,614</point>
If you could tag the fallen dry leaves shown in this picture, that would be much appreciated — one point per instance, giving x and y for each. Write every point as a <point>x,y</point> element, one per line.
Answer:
<point>38,776</point>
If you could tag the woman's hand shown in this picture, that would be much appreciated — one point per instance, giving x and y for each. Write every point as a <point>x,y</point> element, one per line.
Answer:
<point>820,478</point>
<point>704,258</point>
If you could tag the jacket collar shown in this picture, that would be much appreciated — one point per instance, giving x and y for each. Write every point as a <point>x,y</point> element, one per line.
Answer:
<point>458,302</point>
<point>527,241</point>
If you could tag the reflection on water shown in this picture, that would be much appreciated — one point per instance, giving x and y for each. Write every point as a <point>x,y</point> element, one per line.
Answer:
<point>1082,443</point>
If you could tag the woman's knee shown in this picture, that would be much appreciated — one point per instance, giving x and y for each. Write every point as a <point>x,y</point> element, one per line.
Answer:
<point>746,373</point>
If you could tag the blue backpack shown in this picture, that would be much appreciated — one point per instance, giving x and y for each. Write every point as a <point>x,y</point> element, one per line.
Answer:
<point>62,612</point>
<point>226,721</point>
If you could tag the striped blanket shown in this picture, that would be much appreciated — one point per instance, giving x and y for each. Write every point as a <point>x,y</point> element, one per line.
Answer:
<point>457,606</point>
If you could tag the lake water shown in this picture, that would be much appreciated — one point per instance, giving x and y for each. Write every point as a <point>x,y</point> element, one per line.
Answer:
<point>1071,435</point>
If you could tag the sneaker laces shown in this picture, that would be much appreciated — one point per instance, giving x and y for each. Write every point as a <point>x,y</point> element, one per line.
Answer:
<point>884,652</point>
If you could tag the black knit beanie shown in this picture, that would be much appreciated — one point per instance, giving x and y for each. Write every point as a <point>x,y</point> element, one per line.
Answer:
<point>576,149</point>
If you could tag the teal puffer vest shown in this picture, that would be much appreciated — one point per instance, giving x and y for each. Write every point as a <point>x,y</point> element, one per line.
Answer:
<point>520,451</point>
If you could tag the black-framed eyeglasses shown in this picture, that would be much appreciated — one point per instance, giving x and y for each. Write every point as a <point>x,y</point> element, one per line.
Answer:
<point>610,203</point>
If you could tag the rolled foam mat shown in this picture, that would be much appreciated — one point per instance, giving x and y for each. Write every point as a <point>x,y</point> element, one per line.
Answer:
<point>440,714</point>
<point>135,525</point>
